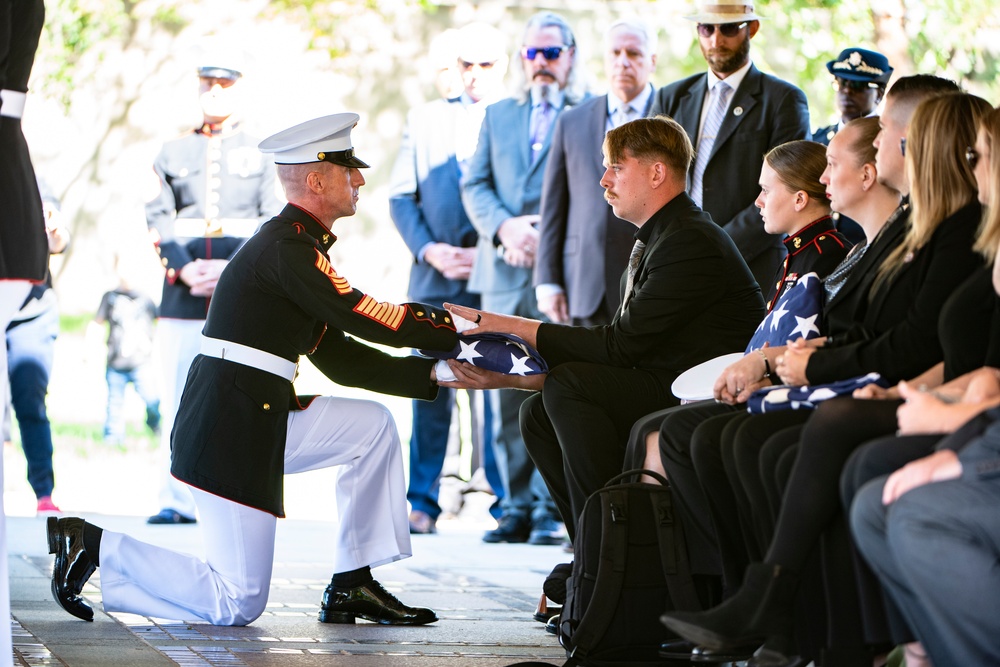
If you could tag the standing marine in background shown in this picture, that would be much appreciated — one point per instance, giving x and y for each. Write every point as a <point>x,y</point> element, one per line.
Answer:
<point>215,190</point>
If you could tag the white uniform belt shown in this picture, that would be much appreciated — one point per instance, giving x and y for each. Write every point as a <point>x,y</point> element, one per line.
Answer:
<point>248,356</point>
<point>200,227</point>
<point>13,103</point>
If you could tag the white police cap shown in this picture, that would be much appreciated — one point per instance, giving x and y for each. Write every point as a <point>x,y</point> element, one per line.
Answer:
<point>325,139</point>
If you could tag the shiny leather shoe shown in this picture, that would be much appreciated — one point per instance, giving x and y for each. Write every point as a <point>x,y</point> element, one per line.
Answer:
<point>422,523</point>
<point>704,655</point>
<point>510,528</point>
<point>73,566</point>
<point>372,603</point>
<point>547,531</point>
<point>543,612</point>
<point>677,649</point>
<point>552,627</point>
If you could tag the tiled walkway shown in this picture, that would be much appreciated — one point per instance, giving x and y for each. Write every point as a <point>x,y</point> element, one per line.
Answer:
<point>483,594</point>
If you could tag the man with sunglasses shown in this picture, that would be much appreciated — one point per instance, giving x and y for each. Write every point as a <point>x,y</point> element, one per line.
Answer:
<point>734,114</point>
<point>859,77</point>
<point>425,203</point>
<point>502,194</point>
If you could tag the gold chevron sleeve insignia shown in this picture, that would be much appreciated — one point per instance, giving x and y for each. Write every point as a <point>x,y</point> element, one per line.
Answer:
<point>386,314</point>
<point>340,284</point>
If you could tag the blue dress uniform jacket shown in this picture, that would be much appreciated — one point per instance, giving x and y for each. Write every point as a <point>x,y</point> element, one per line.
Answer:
<point>280,294</point>
<point>825,134</point>
<point>24,249</point>
<point>215,190</point>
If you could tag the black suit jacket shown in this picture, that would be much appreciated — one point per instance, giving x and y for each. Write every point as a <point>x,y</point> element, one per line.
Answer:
<point>693,299</point>
<point>764,112</point>
<point>897,335</point>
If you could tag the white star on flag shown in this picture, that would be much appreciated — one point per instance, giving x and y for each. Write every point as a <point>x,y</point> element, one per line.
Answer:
<point>519,365</point>
<point>776,315</point>
<point>468,352</point>
<point>805,326</point>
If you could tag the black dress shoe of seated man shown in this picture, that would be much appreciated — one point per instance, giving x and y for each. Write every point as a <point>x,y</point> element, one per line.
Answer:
<point>705,655</point>
<point>677,649</point>
<point>372,603</point>
<point>72,567</point>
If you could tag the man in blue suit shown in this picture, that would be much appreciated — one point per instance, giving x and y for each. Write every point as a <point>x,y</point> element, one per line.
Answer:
<point>734,114</point>
<point>502,195</point>
<point>426,204</point>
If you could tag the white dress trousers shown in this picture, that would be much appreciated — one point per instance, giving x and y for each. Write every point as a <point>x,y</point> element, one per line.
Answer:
<point>12,295</point>
<point>230,586</point>
<point>178,343</point>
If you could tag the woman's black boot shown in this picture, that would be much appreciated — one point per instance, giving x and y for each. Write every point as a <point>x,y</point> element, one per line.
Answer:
<point>761,610</point>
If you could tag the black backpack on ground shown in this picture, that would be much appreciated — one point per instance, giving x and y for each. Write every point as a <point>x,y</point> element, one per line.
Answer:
<point>630,565</point>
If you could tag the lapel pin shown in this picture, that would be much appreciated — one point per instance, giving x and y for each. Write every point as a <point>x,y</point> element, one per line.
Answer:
<point>738,111</point>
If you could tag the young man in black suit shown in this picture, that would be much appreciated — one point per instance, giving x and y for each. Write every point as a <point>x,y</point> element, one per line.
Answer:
<point>687,296</point>
<point>734,114</point>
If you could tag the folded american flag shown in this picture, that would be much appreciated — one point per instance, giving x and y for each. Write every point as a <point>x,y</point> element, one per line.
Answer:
<point>786,397</point>
<point>504,353</point>
<point>798,314</point>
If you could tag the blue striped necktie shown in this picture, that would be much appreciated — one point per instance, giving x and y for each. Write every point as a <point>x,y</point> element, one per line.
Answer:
<point>718,102</point>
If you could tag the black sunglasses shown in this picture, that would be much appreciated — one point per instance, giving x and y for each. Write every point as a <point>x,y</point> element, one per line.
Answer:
<point>548,52</point>
<point>972,155</point>
<point>726,29</point>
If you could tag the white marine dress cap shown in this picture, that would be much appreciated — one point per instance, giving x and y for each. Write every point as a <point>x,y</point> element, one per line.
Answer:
<point>325,139</point>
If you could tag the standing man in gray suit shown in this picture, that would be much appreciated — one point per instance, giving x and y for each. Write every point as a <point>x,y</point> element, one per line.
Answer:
<point>734,114</point>
<point>502,195</point>
<point>425,203</point>
<point>583,247</point>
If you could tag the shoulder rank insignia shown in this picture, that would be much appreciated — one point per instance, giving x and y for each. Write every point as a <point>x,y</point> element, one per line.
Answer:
<point>386,314</point>
<point>341,284</point>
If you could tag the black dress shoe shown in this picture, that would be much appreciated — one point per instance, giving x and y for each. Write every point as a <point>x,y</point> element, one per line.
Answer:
<point>704,655</point>
<point>169,517</point>
<point>677,649</point>
<point>370,602</point>
<point>552,626</point>
<point>509,528</point>
<point>544,611</point>
<point>73,566</point>
<point>547,531</point>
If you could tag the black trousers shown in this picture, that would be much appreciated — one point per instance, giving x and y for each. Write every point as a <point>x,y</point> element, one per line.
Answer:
<point>676,427</point>
<point>577,428</point>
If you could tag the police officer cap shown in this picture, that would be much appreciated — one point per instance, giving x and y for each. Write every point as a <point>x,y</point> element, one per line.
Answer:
<point>326,139</point>
<point>861,65</point>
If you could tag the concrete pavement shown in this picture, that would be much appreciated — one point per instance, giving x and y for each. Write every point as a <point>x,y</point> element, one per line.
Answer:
<point>484,595</point>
